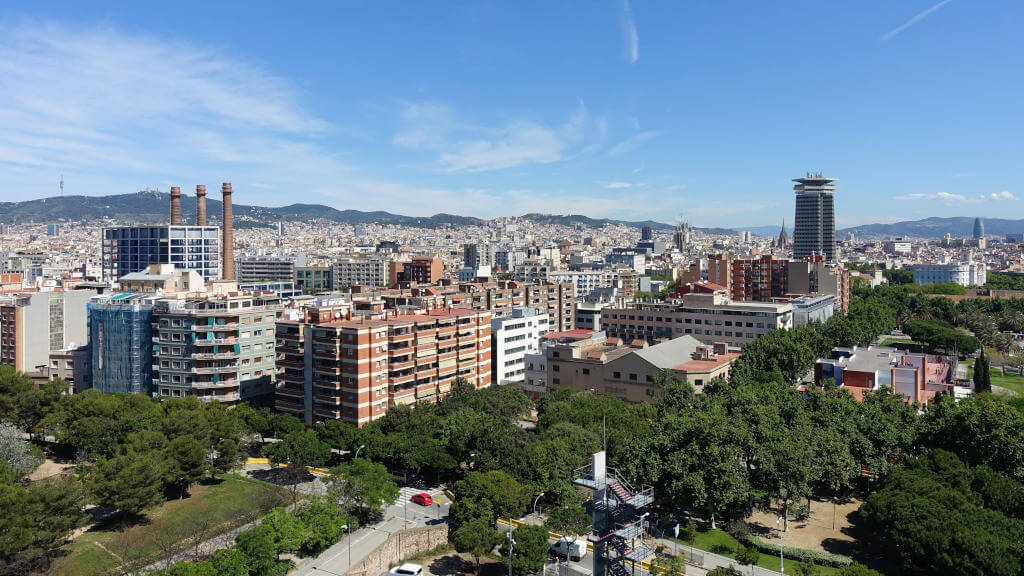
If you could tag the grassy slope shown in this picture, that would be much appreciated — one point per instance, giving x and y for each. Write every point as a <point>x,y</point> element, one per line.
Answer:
<point>716,540</point>
<point>1014,382</point>
<point>227,504</point>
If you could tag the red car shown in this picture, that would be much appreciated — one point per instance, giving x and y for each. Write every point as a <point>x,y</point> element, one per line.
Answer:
<point>423,499</point>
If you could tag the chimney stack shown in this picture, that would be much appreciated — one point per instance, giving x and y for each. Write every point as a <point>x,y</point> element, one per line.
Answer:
<point>200,205</point>
<point>228,229</point>
<point>175,206</point>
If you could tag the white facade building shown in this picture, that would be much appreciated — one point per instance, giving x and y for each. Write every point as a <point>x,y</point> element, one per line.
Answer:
<point>969,274</point>
<point>586,281</point>
<point>513,338</point>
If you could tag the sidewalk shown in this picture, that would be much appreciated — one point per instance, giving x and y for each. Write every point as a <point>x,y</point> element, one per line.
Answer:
<point>703,560</point>
<point>336,558</point>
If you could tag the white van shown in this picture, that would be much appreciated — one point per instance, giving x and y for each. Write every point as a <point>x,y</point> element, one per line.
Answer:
<point>572,549</point>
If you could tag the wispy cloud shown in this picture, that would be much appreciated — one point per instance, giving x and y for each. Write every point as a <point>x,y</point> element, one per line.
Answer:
<point>914,20</point>
<point>630,38</point>
<point>617,185</point>
<point>633,142</point>
<point>955,199</point>
<point>464,147</point>
<point>938,196</point>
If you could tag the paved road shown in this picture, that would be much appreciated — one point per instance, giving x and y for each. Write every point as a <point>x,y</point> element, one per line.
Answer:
<point>402,514</point>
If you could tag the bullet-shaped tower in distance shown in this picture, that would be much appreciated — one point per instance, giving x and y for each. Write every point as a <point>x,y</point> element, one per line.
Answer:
<point>200,205</point>
<point>227,226</point>
<point>175,206</point>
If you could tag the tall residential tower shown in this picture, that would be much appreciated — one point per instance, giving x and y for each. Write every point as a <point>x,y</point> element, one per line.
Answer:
<point>815,229</point>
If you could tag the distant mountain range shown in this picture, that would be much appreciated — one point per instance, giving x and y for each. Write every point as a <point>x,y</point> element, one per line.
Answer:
<point>959,226</point>
<point>154,207</point>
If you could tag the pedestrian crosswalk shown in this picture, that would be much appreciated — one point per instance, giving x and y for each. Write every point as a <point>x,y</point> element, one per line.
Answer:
<point>406,493</point>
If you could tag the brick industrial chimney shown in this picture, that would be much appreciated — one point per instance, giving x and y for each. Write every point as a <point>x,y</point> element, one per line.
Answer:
<point>228,229</point>
<point>175,206</point>
<point>200,205</point>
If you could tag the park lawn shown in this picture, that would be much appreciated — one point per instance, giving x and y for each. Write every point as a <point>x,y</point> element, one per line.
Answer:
<point>233,501</point>
<point>717,541</point>
<point>1013,382</point>
<point>897,342</point>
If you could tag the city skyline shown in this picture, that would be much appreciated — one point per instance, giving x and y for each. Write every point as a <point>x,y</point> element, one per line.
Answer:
<point>611,110</point>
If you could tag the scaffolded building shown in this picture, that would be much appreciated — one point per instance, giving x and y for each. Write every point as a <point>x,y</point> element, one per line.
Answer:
<point>121,343</point>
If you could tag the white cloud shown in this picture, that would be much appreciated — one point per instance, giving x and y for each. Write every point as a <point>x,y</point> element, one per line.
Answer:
<point>633,142</point>
<point>630,37</point>
<point>615,185</point>
<point>914,20</point>
<point>1001,195</point>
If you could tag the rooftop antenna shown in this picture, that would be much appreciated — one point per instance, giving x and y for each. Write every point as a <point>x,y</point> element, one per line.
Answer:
<point>62,185</point>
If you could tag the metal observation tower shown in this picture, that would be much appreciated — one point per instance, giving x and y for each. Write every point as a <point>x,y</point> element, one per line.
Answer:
<point>619,524</point>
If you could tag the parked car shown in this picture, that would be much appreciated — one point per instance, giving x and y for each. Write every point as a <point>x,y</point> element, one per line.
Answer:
<point>423,499</point>
<point>574,550</point>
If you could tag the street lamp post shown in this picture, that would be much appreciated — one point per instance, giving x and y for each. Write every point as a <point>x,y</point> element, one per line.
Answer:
<point>511,545</point>
<point>361,446</point>
<point>535,500</point>
<point>782,563</point>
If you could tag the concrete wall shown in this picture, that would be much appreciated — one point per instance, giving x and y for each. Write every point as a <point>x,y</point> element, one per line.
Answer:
<point>399,546</point>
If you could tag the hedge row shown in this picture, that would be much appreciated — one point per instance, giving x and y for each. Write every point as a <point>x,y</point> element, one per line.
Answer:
<point>811,556</point>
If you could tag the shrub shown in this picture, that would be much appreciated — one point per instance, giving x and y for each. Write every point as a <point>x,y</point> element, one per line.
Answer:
<point>812,556</point>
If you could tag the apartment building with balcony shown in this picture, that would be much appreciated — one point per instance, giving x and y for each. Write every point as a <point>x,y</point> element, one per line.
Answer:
<point>356,368</point>
<point>294,347</point>
<point>218,346</point>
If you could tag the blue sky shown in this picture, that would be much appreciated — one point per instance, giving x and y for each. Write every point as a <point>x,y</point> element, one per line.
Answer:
<point>631,110</point>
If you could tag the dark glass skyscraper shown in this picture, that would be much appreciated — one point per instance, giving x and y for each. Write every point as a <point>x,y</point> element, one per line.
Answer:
<point>132,248</point>
<point>979,228</point>
<point>815,228</point>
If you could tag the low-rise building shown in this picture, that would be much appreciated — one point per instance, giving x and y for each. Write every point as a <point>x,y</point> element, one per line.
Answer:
<point>965,274</point>
<point>707,317</point>
<point>163,279</point>
<point>632,373</point>
<point>916,376</point>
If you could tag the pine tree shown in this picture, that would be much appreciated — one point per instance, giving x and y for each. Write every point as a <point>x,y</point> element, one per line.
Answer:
<point>982,379</point>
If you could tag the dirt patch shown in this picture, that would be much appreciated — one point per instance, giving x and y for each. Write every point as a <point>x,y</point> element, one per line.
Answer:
<point>455,564</point>
<point>815,532</point>
<point>49,468</point>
